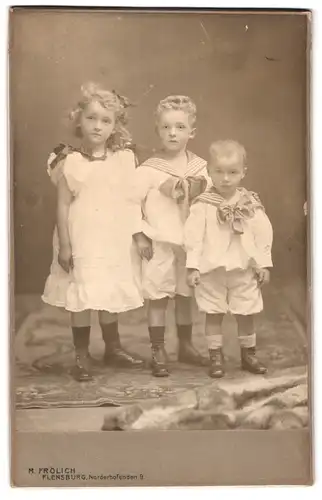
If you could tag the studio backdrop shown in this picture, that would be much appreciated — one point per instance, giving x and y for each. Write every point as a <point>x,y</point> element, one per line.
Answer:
<point>245,74</point>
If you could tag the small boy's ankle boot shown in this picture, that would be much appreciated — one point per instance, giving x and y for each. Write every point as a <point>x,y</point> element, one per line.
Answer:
<point>81,370</point>
<point>250,362</point>
<point>159,355</point>
<point>114,354</point>
<point>187,353</point>
<point>216,369</point>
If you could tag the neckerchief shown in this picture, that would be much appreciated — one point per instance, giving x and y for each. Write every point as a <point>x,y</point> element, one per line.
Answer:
<point>235,214</point>
<point>182,188</point>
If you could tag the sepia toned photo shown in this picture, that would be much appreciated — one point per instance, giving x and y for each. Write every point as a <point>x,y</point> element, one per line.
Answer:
<point>160,243</point>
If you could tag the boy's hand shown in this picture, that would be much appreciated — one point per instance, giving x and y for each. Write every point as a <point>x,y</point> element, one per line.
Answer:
<point>193,277</point>
<point>144,245</point>
<point>263,276</point>
<point>65,259</point>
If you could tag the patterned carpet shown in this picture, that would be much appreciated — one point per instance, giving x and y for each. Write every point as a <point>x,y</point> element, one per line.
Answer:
<point>44,356</point>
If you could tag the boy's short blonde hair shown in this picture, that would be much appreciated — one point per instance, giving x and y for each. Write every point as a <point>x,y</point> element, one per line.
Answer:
<point>227,149</point>
<point>178,103</point>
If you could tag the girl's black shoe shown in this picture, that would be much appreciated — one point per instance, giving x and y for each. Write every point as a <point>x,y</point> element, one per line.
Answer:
<point>81,371</point>
<point>159,361</point>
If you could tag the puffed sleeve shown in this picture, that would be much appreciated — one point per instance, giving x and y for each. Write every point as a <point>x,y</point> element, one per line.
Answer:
<point>55,163</point>
<point>263,235</point>
<point>194,231</point>
<point>75,170</point>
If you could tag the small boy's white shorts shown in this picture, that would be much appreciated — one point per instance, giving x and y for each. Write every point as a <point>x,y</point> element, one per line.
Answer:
<point>165,275</point>
<point>235,291</point>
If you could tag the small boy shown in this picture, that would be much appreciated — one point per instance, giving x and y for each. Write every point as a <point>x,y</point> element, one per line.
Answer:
<point>228,239</point>
<point>164,188</point>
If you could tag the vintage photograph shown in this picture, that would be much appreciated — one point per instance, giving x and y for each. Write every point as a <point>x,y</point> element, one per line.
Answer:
<point>160,220</point>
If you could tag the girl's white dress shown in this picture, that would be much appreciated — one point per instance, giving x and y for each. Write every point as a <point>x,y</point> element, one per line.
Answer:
<point>101,224</point>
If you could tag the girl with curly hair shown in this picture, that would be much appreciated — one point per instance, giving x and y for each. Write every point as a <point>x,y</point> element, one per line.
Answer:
<point>92,268</point>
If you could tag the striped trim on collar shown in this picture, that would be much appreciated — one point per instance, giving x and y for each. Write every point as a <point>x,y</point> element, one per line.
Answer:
<point>195,165</point>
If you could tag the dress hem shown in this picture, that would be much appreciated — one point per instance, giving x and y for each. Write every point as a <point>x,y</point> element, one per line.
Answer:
<point>91,307</point>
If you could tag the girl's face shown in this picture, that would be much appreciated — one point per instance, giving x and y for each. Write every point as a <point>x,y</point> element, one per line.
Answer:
<point>174,129</point>
<point>96,124</point>
<point>226,174</point>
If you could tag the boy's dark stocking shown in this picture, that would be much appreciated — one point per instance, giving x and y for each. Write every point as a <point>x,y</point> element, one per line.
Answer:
<point>156,319</point>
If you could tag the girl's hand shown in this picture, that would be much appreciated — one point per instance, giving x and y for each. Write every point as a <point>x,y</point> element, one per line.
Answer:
<point>193,277</point>
<point>65,259</point>
<point>144,245</point>
<point>263,276</point>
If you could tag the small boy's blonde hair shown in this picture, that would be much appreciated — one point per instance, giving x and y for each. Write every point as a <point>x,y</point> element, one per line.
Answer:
<point>227,149</point>
<point>178,103</point>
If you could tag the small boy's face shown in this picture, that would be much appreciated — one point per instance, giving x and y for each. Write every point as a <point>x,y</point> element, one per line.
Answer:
<point>226,174</point>
<point>175,129</point>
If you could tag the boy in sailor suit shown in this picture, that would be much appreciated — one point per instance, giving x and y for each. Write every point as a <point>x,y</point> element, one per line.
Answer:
<point>164,188</point>
<point>228,239</point>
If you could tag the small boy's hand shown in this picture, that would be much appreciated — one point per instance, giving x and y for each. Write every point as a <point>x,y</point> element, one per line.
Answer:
<point>263,276</point>
<point>65,259</point>
<point>193,277</point>
<point>144,245</point>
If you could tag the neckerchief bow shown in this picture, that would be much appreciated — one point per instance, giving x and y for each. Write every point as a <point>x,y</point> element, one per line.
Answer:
<point>235,214</point>
<point>184,188</point>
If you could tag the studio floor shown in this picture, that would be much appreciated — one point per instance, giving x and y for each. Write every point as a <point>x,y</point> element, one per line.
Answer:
<point>60,419</point>
<point>48,399</point>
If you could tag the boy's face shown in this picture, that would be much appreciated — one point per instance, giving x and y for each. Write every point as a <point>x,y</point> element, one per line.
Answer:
<point>174,129</point>
<point>226,174</point>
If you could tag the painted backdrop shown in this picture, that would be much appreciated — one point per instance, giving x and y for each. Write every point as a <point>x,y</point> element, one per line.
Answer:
<point>246,73</point>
